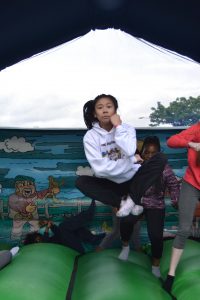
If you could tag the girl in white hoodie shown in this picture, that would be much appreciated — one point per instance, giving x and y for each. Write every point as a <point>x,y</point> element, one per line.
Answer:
<point>110,146</point>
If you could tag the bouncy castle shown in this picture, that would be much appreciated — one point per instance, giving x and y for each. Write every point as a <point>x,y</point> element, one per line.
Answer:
<point>47,162</point>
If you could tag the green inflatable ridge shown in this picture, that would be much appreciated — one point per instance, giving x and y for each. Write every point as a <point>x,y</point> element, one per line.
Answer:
<point>54,272</point>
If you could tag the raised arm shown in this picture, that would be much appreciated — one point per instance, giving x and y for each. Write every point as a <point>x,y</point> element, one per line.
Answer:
<point>185,138</point>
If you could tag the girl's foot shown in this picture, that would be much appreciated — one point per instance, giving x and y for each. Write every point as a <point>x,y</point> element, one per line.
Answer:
<point>126,207</point>
<point>156,271</point>
<point>124,253</point>
<point>14,250</point>
<point>168,283</point>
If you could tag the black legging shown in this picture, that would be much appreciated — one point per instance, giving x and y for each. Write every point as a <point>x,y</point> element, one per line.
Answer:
<point>72,232</point>
<point>110,193</point>
<point>155,225</point>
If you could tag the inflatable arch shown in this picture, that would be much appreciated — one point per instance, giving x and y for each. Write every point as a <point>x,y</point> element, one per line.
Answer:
<point>29,27</point>
<point>53,159</point>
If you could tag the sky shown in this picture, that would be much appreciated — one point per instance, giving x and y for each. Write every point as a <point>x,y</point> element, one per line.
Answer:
<point>49,90</point>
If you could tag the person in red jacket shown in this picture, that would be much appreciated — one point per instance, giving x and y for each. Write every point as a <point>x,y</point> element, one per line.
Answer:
<point>189,194</point>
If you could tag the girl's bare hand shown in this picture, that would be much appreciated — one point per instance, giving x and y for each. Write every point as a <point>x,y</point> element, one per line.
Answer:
<point>139,159</point>
<point>195,146</point>
<point>115,120</point>
<point>50,223</point>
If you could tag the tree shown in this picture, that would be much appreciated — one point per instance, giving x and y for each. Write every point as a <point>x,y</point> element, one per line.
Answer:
<point>181,112</point>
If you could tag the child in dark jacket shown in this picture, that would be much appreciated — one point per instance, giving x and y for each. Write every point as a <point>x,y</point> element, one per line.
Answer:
<point>154,207</point>
<point>72,232</point>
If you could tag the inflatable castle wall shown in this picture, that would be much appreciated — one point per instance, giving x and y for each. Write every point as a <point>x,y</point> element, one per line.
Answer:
<point>38,172</point>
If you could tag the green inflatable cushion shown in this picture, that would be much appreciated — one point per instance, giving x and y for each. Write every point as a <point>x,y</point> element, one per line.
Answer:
<point>102,276</point>
<point>38,272</point>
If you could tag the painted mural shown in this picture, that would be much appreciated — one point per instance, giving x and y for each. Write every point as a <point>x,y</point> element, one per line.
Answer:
<point>37,175</point>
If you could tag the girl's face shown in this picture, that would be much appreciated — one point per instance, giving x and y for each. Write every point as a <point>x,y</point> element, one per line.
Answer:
<point>149,151</point>
<point>104,109</point>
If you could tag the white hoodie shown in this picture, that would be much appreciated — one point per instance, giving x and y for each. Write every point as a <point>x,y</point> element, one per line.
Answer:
<point>111,154</point>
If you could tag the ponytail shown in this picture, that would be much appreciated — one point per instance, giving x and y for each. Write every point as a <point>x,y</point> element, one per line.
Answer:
<point>88,113</point>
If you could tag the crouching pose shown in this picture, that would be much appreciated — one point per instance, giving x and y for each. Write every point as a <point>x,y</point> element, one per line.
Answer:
<point>110,145</point>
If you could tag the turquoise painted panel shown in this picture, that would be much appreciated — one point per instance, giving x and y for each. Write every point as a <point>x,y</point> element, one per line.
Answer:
<point>37,174</point>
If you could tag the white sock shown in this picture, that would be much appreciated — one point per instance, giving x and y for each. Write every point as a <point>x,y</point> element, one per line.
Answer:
<point>124,253</point>
<point>14,250</point>
<point>156,271</point>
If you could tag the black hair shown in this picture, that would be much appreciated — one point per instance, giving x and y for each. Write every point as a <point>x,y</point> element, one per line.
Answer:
<point>31,238</point>
<point>151,140</point>
<point>89,108</point>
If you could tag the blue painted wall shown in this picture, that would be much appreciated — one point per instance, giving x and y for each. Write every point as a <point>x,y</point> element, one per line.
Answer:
<point>49,161</point>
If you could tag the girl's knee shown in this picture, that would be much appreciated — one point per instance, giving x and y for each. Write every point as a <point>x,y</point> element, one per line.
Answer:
<point>180,239</point>
<point>184,231</point>
<point>80,181</point>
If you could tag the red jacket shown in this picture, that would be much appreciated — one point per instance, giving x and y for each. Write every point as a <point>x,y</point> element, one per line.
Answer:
<point>181,140</point>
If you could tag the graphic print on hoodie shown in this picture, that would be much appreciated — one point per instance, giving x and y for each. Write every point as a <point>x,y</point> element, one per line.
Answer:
<point>111,153</point>
<point>114,153</point>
